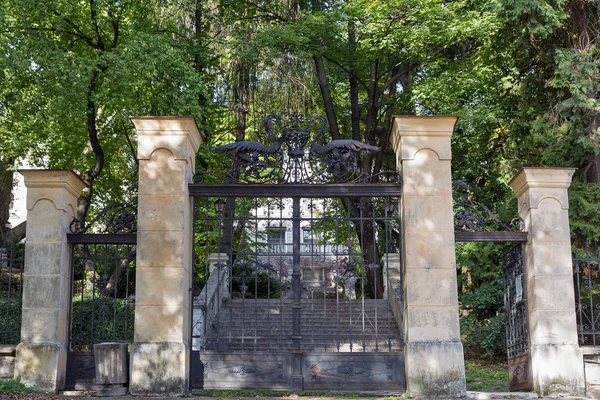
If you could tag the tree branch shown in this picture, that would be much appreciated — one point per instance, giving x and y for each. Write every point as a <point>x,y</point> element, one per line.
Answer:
<point>326,95</point>
<point>88,39</point>
<point>346,70</point>
<point>396,76</point>
<point>93,15</point>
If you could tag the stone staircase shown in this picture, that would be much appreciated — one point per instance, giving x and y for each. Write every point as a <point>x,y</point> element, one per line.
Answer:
<point>327,325</point>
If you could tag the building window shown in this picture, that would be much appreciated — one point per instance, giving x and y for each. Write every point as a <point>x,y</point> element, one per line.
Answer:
<point>307,235</point>
<point>276,235</point>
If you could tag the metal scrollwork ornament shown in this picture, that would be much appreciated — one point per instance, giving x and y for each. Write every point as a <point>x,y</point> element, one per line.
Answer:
<point>473,216</point>
<point>288,157</point>
<point>115,218</point>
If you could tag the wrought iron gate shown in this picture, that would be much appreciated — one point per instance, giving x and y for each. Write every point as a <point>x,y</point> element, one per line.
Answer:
<point>517,326</point>
<point>102,289</point>
<point>296,280</point>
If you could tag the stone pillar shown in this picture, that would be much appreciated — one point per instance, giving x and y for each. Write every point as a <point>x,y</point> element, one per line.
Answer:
<point>160,356</point>
<point>391,272</point>
<point>41,357</point>
<point>393,287</point>
<point>433,352</point>
<point>556,359</point>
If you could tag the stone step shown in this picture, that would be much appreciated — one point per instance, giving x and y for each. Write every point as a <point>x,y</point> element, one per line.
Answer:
<point>306,345</point>
<point>304,313</point>
<point>225,326</point>
<point>325,325</point>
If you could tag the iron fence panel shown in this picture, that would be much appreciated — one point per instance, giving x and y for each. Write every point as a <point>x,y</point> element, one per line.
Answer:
<point>12,257</point>
<point>103,290</point>
<point>586,276</point>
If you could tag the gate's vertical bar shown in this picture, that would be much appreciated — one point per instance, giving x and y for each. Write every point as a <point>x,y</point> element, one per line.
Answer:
<point>578,305</point>
<point>590,289</point>
<point>297,380</point>
<point>337,277</point>
<point>364,272</point>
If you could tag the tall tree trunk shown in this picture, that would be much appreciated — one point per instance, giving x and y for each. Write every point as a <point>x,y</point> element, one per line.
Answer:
<point>580,28</point>
<point>85,199</point>
<point>242,97</point>
<point>594,170</point>
<point>365,235</point>
<point>199,62</point>
<point>326,95</point>
<point>6,187</point>
<point>354,99</point>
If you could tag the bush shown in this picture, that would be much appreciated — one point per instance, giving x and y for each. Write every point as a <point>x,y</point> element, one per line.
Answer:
<point>14,386</point>
<point>10,318</point>
<point>100,319</point>
<point>483,323</point>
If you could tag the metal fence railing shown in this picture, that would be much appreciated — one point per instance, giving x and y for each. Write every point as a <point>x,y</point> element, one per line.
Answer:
<point>103,289</point>
<point>11,289</point>
<point>586,276</point>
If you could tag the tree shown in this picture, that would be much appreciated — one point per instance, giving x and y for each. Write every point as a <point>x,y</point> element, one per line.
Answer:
<point>74,73</point>
<point>367,58</point>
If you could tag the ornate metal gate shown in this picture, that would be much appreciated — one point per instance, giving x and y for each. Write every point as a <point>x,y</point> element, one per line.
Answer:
<point>475,222</point>
<point>298,281</point>
<point>517,326</point>
<point>103,289</point>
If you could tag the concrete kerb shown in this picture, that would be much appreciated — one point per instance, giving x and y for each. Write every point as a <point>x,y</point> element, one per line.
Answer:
<point>470,395</point>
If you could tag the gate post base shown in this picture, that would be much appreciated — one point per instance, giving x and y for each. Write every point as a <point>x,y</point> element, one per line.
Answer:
<point>297,384</point>
<point>297,381</point>
<point>435,369</point>
<point>43,365</point>
<point>159,369</point>
<point>558,370</point>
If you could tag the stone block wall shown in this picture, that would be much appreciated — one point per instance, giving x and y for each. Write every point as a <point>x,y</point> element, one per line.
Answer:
<point>591,361</point>
<point>7,361</point>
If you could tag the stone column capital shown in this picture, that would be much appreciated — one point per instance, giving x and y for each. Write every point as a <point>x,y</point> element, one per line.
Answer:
<point>412,133</point>
<point>532,185</point>
<point>51,184</point>
<point>179,135</point>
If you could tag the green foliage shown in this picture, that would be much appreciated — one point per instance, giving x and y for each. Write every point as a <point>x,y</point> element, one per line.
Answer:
<point>260,285</point>
<point>482,299</point>
<point>10,318</point>
<point>14,386</point>
<point>100,319</point>
<point>483,322</point>
<point>584,203</point>
<point>48,56</point>
<point>486,376</point>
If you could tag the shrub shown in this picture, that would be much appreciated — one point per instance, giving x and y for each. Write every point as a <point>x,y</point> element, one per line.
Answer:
<point>483,322</point>
<point>14,386</point>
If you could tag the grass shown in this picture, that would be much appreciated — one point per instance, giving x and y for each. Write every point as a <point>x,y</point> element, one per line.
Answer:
<point>14,386</point>
<point>487,376</point>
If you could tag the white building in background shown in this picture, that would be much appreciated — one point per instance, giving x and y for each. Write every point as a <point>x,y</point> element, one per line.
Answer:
<point>18,206</point>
